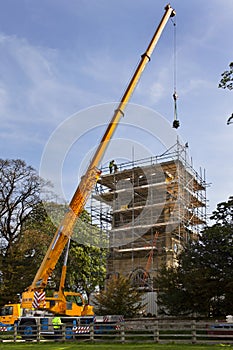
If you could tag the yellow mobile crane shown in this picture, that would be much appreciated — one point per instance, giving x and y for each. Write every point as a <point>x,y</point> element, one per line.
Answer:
<point>33,296</point>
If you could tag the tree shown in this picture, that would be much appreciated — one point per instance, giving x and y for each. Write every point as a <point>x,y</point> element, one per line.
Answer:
<point>20,188</point>
<point>119,297</point>
<point>27,227</point>
<point>21,265</point>
<point>86,268</point>
<point>224,213</point>
<point>226,81</point>
<point>19,193</point>
<point>202,282</point>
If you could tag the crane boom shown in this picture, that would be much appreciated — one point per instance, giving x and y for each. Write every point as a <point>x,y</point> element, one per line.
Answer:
<point>89,179</point>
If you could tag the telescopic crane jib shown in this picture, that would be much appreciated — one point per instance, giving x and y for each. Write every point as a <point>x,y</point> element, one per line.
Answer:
<point>89,179</point>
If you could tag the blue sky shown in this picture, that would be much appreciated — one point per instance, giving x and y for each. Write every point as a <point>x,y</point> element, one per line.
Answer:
<point>58,58</point>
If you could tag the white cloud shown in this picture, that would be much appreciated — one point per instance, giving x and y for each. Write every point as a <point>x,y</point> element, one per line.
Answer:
<point>32,87</point>
<point>194,86</point>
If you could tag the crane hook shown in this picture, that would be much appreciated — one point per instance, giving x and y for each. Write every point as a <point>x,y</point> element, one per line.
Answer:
<point>176,122</point>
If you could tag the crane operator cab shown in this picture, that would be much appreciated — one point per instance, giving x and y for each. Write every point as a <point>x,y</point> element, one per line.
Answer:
<point>75,305</point>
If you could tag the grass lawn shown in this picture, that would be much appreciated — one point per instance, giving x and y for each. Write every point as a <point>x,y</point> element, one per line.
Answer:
<point>85,346</point>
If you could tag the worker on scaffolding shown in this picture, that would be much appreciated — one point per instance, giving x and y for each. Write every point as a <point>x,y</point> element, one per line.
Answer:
<point>112,167</point>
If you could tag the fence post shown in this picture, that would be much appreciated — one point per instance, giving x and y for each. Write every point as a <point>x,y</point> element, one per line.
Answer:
<point>63,332</point>
<point>194,332</point>
<point>38,330</point>
<point>15,332</point>
<point>156,331</point>
<point>91,331</point>
<point>122,332</point>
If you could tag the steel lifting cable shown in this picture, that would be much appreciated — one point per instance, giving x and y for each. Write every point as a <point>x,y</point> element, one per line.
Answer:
<point>176,122</point>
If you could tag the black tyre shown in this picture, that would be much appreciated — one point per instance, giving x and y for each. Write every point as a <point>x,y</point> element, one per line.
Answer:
<point>69,331</point>
<point>27,330</point>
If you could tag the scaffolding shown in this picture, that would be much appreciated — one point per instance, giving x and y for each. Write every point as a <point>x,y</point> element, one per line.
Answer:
<point>149,209</point>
